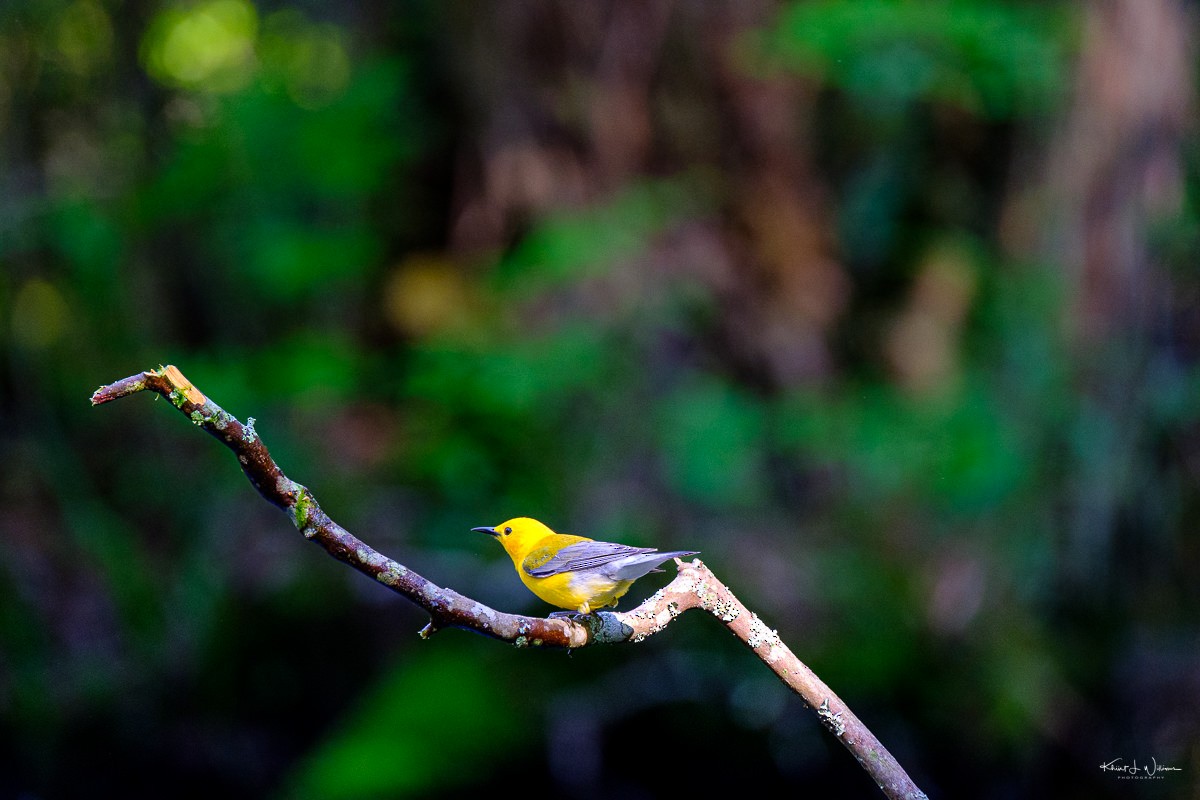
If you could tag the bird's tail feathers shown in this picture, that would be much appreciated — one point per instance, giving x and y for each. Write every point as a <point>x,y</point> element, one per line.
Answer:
<point>634,567</point>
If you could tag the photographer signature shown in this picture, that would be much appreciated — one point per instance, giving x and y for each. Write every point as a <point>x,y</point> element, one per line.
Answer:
<point>1150,770</point>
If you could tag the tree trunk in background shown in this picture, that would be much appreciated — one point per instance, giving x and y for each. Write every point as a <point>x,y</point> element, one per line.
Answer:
<point>577,101</point>
<point>1116,173</point>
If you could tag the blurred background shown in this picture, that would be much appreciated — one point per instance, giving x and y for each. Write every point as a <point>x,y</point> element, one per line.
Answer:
<point>891,309</point>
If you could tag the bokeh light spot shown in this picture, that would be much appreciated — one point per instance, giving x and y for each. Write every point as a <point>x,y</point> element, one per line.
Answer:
<point>83,36</point>
<point>309,60</point>
<point>208,46</point>
<point>39,316</point>
<point>424,295</point>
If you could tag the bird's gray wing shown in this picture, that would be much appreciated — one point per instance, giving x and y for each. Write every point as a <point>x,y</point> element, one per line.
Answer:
<point>619,562</point>
<point>586,556</point>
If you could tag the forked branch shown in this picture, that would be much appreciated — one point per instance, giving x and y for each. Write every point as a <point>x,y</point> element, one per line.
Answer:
<point>694,587</point>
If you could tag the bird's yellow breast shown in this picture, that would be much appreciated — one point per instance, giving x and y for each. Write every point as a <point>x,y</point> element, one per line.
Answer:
<point>576,591</point>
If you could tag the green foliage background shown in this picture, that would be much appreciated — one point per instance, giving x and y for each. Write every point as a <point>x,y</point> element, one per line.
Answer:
<point>793,285</point>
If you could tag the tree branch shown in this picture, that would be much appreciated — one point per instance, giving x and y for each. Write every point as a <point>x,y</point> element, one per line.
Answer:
<point>694,587</point>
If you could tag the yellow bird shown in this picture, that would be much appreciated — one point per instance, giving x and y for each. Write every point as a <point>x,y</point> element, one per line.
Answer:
<point>574,572</point>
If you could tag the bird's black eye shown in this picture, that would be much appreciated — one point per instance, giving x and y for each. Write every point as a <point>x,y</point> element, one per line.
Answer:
<point>507,531</point>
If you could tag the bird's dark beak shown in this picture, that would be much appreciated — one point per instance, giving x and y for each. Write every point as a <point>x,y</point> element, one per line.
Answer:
<point>488,531</point>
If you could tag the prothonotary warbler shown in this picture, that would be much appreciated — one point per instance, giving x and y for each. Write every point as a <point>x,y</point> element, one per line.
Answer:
<point>574,572</point>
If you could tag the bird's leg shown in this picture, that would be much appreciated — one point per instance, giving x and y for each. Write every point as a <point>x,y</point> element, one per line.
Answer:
<point>585,609</point>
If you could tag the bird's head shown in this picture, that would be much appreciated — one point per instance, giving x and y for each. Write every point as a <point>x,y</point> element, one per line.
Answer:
<point>518,535</point>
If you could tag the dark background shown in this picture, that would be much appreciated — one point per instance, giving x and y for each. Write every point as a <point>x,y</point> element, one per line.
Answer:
<point>891,309</point>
